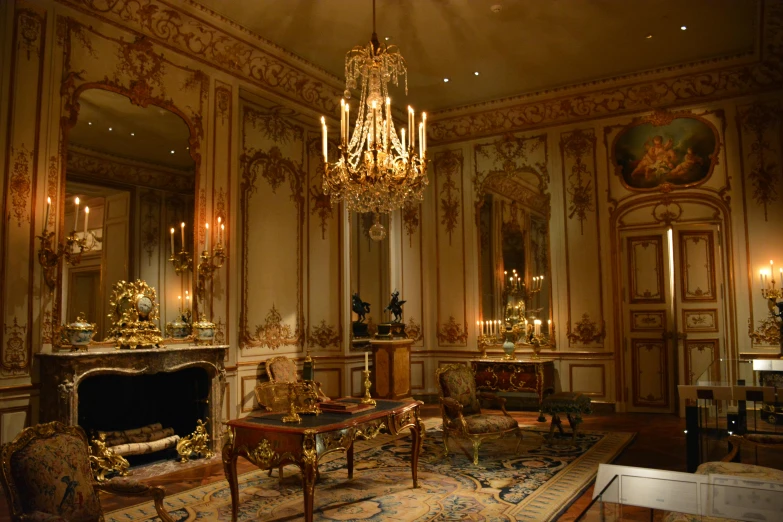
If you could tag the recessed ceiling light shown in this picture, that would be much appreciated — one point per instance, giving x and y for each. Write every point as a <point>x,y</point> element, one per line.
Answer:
<point>172,152</point>
<point>476,73</point>
<point>109,129</point>
<point>187,148</point>
<point>648,36</point>
<point>683,27</point>
<point>387,38</point>
<point>133,133</point>
<point>89,123</point>
<point>445,80</point>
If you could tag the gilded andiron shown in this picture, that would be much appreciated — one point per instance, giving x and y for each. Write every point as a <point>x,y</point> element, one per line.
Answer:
<point>197,443</point>
<point>104,461</point>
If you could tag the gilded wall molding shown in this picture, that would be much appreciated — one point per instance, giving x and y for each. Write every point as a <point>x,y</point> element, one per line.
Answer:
<point>763,157</point>
<point>578,146</point>
<point>414,330</point>
<point>450,200</point>
<point>410,220</point>
<point>614,97</point>
<point>766,333</point>
<point>150,223</point>
<point>452,333</point>
<point>273,333</point>
<point>200,39</point>
<point>324,336</point>
<point>586,331</point>
<point>15,355</point>
<point>20,184</point>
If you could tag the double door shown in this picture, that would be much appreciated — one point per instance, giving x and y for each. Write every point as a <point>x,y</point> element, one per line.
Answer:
<point>673,312</point>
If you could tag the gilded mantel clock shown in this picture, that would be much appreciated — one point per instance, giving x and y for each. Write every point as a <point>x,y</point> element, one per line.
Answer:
<point>134,315</point>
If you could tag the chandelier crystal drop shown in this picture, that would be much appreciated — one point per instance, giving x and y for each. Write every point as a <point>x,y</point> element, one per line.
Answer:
<point>376,170</point>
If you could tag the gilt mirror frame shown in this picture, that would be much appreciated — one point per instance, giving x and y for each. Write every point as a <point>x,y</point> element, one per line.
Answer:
<point>70,115</point>
<point>511,184</point>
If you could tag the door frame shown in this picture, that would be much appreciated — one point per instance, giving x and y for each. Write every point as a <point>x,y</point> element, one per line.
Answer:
<point>665,211</point>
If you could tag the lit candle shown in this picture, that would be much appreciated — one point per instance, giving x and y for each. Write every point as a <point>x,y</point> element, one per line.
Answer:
<point>410,123</point>
<point>412,137</point>
<point>780,281</point>
<point>771,268</point>
<point>86,217</point>
<point>424,131</point>
<point>219,231</point>
<point>172,240</point>
<point>761,278</point>
<point>549,327</point>
<point>323,138</point>
<point>46,219</point>
<point>222,231</point>
<point>537,327</point>
<point>421,140</point>
<point>404,148</point>
<point>206,235</point>
<point>366,362</point>
<point>387,138</point>
<point>179,303</point>
<point>342,120</point>
<point>482,328</point>
<point>182,233</point>
<point>76,214</point>
<point>347,123</point>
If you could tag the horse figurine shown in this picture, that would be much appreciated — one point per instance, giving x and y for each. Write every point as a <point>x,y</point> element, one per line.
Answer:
<point>395,307</point>
<point>360,307</point>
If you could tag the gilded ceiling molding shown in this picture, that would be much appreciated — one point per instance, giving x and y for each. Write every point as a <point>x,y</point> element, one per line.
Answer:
<point>586,331</point>
<point>452,333</point>
<point>15,356</point>
<point>613,97</point>
<point>324,336</point>
<point>87,164</point>
<point>193,36</point>
<point>577,146</point>
<point>764,159</point>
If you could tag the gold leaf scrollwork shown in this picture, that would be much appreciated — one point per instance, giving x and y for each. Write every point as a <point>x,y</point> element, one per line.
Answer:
<point>577,145</point>
<point>150,204</point>
<point>586,331</point>
<point>410,220</point>
<point>15,353</point>
<point>764,172</point>
<point>452,333</point>
<point>273,333</point>
<point>370,431</point>
<point>767,332</point>
<point>414,330</point>
<point>20,184</point>
<point>321,206</point>
<point>324,336</point>
<point>448,166</point>
<point>264,455</point>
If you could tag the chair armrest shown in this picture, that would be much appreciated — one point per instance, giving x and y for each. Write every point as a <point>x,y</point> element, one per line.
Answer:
<point>753,440</point>
<point>133,488</point>
<point>501,401</point>
<point>38,516</point>
<point>451,407</point>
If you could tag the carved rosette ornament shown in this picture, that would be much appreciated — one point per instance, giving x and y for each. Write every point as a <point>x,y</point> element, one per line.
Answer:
<point>586,331</point>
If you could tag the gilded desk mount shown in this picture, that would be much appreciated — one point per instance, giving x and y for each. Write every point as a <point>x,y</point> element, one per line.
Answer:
<point>134,315</point>
<point>197,443</point>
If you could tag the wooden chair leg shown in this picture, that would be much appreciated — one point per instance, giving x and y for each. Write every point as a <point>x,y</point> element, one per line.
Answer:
<point>445,443</point>
<point>519,434</point>
<point>476,444</point>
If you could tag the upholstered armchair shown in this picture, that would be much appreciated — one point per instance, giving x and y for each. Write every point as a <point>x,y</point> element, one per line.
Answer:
<point>461,409</point>
<point>283,370</point>
<point>47,477</point>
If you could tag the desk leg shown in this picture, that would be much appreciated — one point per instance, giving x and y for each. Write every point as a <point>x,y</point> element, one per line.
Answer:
<point>417,436</point>
<point>309,467</point>
<point>230,469</point>
<point>349,458</point>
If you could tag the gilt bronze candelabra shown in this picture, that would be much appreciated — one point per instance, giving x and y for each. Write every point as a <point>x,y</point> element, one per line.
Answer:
<point>182,261</point>
<point>49,255</point>
<point>208,264</point>
<point>773,294</point>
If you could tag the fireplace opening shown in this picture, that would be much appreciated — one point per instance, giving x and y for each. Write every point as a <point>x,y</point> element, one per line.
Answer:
<point>169,403</point>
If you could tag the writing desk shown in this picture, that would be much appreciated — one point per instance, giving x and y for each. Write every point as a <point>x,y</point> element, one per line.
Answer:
<point>266,441</point>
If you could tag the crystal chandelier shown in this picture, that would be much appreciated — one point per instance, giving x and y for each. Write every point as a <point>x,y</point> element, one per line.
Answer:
<point>376,171</point>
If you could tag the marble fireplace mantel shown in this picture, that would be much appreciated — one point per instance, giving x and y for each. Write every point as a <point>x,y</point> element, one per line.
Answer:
<point>62,372</point>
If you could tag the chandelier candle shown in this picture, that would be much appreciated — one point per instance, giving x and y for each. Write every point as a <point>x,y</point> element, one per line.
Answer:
<point>76,214</point>
<point>86,218</point>
<point>182,230</point>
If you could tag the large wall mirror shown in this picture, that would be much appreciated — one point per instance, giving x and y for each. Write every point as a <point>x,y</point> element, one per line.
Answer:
<point>515,278</point>
<point>131,167</point>
<point>370,268</point>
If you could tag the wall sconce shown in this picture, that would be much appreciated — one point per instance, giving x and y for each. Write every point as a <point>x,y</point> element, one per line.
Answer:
<point>772,294</point>
<point>183,260</point>
<point>210,261</point>
<point>49,255</point>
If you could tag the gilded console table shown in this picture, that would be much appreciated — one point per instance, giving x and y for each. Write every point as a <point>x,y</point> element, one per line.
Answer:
<point>532,375</point>
<point>267,442</point>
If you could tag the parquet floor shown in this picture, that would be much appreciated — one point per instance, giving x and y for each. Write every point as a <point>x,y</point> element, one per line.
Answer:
<point>659,443</point>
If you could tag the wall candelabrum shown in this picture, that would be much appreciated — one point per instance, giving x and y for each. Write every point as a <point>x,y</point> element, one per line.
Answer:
<point>209,262</point>
<point>772,291</point>
<point>50,254</point>
<point>181,260</point>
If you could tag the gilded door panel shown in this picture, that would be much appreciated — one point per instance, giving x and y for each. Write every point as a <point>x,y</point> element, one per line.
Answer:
<point>699,355</point>
<point>700,320</point>
<point>648,320</point>
<point>650,367</point>
<point>697,265</point>
<point>646,269</point>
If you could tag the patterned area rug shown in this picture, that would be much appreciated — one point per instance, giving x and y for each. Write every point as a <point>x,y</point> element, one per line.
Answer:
<point>536,484</point>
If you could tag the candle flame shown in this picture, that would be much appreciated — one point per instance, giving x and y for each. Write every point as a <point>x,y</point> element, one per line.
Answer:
<point>76,201</point>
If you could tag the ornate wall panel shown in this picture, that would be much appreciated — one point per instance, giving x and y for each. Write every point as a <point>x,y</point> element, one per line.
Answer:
<point>648,320</point>
<point>760,127</point>
<point>324,256</point>
<point>584,286</point>
<point>223,116</point>
<point>699,354</point>
<point>452,313</point>
<point>700,320</point>
<point>650,367</point>
<point>697,266</point>
<point>646,269</point>
<point>18,262</point>
<point>272,212</point>
<point>589,379</point>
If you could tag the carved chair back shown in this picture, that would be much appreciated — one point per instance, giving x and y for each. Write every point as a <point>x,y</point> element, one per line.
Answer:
<point>281,369</point>
<point>46,470</point>
<point>458,381</point>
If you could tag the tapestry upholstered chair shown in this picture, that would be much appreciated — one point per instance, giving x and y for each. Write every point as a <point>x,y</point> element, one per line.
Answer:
<point>282,369</point>
<point>47,477</point>
<point>461,409</point>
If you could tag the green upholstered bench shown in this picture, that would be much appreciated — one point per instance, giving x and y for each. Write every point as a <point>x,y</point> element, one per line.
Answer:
<point>572,404</point>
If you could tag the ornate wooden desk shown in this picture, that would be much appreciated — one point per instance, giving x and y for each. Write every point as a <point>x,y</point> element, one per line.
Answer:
<point>267,442</point>
<point>500,375</point>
